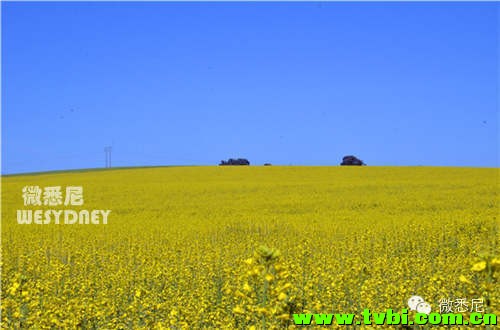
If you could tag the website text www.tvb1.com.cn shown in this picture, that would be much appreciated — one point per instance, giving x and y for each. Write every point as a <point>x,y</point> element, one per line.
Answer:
<point>451,313</point>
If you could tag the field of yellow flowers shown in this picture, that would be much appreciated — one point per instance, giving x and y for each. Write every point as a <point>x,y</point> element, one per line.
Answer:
<point>245,247</point>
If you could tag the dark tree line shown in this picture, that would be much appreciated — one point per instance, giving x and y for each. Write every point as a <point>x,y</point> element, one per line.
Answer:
<point>346,161</point>
<point>231,161</point>
<point>351,160</point>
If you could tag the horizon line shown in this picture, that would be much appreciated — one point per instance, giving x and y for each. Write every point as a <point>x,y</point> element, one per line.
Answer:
<point>92,169</point>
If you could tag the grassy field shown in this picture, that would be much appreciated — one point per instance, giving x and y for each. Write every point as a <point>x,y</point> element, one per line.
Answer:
<point>243,247</point>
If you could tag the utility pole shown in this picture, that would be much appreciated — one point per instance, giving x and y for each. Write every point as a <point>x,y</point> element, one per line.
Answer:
<point>107,156</point>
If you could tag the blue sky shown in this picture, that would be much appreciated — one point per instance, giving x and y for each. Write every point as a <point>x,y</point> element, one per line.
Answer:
<point>285,83</point>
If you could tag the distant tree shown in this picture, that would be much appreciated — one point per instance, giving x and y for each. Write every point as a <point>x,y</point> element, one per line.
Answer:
<point>231,161</point>
<point>351,161</point>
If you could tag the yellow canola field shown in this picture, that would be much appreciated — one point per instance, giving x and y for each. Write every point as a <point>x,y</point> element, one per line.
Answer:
<point>246,247</point>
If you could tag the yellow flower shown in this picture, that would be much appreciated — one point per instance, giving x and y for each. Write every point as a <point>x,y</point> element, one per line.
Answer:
<point>167,267</point>
<point>240,294</point>
<point>261,310</point>
<point>247,287</point>
<point>464,279</point>
<point>478,267</point>
<point>238,310</point>
<point>286,286</point>
<point>14,288</point>
<point>269,277</point>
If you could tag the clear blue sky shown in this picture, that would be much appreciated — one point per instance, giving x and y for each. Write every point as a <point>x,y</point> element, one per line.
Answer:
<point>286,83</point>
